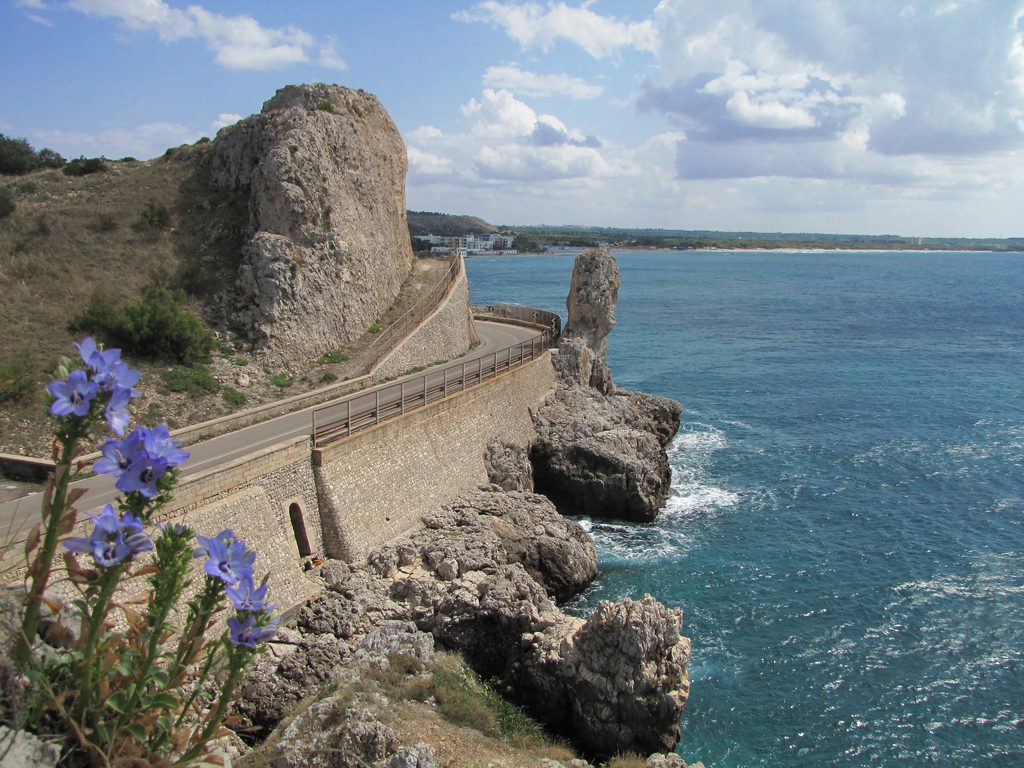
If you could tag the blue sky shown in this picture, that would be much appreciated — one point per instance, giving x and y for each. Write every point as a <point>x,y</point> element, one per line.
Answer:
<point>874,117</point>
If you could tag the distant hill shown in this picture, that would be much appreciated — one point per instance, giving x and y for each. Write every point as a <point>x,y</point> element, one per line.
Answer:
<point>446,224</point>
<point>681,239</point>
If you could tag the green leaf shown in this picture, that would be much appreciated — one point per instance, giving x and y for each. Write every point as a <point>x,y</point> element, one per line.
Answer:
<point>137,732</point>
<point>117,701</point>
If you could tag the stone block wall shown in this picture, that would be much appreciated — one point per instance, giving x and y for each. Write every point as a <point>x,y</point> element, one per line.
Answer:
<point>447,333</point>
<point>256,496</point>
<point>376,485</point>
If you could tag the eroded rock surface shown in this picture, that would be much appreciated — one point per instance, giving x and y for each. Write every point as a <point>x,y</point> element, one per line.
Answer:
<point>600,451</point>
<point>328,245</point>
<point>480,579</point>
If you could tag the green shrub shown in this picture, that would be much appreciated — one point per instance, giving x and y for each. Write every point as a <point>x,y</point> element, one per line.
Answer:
<point>233,397</point>
<point>328,378</point>
<point>16,156</point>
<point>152,218</point>
<point>157,326</point>
<point>83,166</point>
<point>282,380</point>
<point>332,357</point>
<point>47,158</point>
<point>194,381</point>
<point>7,204</point>
<point>18,382</point>
<point>105,222</point>
<point>27,187</point>
<point>241,362</point>
<point>375,328</point>
<point>325,106</point>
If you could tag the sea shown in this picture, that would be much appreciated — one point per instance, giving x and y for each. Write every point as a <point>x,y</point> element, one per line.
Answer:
<point>845,531</point>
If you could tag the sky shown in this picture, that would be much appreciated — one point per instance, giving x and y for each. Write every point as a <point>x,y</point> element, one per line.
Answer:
<point>843,116</point>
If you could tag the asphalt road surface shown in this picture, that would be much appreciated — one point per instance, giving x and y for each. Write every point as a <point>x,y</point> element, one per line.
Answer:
<point>496,339</point>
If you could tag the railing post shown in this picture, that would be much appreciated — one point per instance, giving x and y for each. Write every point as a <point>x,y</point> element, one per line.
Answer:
<point>348,417</point>
<point>463,376</point>
<point>376,406</point>
<point>314,429</point>
<point>446,382</point>
<point>424,389</point>
<point>403,397</point>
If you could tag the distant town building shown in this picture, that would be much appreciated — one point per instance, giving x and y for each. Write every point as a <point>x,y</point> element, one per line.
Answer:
<point>470,245</point>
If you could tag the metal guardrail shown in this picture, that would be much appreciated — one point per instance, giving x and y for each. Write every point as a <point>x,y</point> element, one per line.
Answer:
<point>367,409</point>
<point>389,337</point>
<point>551,321</point>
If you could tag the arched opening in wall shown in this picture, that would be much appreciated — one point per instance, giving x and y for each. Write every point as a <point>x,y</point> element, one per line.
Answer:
<point>299,529</point>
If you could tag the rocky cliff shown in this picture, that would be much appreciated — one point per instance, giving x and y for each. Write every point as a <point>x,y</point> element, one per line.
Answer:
<point>327,245</point>
<point>600,451</point>
<point>481,578</point>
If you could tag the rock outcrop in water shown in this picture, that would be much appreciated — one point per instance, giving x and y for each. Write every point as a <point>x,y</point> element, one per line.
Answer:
<point>328,245</point>
<point>600,451</point>
<point>480,578</point>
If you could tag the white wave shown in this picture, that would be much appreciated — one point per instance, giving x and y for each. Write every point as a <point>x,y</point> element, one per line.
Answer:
<point>689,455</point>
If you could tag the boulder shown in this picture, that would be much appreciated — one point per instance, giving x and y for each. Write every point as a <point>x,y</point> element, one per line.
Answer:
<point>508,466</point>
<point>555,551</point>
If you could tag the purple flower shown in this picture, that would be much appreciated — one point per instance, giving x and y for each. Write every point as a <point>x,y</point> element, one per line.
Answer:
<point>159,445</point>
<point>246,597</point>
<point>117,410</point>
<point>104,363</point>
<point>249,632</point>
<point>73,396</point>
<point>113,539</point>
<point>228,559</point>
<point>140,460</point>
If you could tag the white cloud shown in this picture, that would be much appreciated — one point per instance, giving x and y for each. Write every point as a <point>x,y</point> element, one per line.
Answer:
<point>526,83</point>
<point>533,25</point>
<point>329,56</point>
<point>237,42</point>
<point>499,114</point>
<point>505,140</point>
<point>141,142</point>
<point>224,119</point>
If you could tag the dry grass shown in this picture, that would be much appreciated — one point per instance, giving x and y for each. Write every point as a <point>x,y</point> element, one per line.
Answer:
<point>442,704</point>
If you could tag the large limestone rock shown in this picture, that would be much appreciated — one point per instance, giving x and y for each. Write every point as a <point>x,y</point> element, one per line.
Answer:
<point>614,676</point>
<point>593,292</point>
<point>599,451</point>
<point>328,245</point>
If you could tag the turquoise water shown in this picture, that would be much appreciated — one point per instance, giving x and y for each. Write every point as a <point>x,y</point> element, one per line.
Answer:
<point>846,529</point>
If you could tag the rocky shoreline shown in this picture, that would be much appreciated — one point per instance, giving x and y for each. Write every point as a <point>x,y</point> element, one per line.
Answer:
<point>484,576</point>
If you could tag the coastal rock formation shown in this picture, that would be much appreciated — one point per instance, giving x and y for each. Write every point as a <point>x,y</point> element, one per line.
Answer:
<point>480,578</point>
<point>508,465</point>
<point>600,451</point>
<point>618,672</point>
<point>327,246</point>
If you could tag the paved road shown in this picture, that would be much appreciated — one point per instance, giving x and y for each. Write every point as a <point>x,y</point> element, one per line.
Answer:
<point>210,453</point>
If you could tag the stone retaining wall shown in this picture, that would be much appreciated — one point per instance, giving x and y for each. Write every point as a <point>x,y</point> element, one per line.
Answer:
<point>254,497</point>
<point>376,485</point>
<point>445,334</point>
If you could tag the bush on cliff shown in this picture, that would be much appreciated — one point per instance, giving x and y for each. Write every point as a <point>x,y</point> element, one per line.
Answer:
<point>157,326</point>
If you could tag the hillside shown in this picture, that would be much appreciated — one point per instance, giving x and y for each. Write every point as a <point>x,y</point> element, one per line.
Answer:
<point>445,224</point>
<point>681,239</point>
<point>286,235</point>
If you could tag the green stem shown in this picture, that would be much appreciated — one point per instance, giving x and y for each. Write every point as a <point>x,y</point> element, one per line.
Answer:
<point>40,568</point>
<point>96,619</point>
<point>238,659</point>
